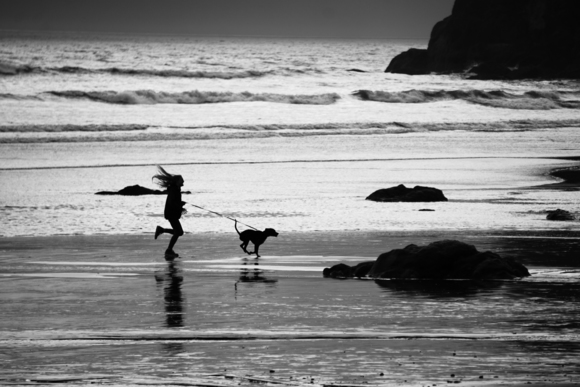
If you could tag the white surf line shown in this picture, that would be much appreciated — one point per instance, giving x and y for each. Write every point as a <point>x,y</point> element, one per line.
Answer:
<point>71,275</point>
<point>206,265</point>
<point>241,162</point>
<point>204,380</point>
<point>286,336</point>
<point>53,379</point>
<point>274,259</point>
<point>267,267</point>
<point>531,236</point>
<point>76,263</point>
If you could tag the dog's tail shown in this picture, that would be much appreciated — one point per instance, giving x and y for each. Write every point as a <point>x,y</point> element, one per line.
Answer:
<point>236,226</point>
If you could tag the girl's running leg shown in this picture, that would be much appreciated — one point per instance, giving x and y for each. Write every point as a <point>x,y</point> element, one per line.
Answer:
<point>177,231</point>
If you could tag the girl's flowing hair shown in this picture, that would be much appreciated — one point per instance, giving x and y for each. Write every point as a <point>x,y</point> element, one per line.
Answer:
<point>164,179</point>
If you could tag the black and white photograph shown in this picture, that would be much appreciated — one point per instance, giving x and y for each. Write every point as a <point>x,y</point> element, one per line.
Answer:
<point>290,193</point>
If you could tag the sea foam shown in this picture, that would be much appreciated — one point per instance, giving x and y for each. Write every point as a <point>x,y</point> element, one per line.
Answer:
<point>8,68</point>
<point>150,97</point>
<point>11,134</point>
<point>533,100</point>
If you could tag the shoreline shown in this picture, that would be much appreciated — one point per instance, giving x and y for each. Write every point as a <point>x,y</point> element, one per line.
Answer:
<point>292,161</point>
<point>527,244</point>
<point>112,310</point>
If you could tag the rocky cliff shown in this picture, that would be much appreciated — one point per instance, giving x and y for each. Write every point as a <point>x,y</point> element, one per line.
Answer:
<point>498,39</point>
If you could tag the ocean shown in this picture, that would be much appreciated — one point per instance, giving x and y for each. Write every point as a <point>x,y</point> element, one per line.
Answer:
<point>290,134</point>
<point>270,131</point>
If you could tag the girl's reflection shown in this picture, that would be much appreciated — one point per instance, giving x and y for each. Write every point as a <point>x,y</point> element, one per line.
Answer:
<point>171,281</point>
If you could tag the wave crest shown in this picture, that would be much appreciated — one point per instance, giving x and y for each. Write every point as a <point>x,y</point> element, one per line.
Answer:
<point>17,97</point>
<point>104,133</point>
<point>11,68</point>
<point>531,100</point>
<point>187,73</point>
<point>151,97</point>
<point>69,128</point>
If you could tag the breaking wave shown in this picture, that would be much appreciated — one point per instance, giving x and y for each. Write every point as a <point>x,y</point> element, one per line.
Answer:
<point>68,128</point>
<point>167,73</point>
<point>104,133</point>
<point>10,68</point>
<point>151,97</point>
<point>412,127</point>
<point>17,97</point>
<point>531,100</point>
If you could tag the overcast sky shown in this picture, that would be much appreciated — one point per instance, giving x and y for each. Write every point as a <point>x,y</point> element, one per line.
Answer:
<point>275,18</point>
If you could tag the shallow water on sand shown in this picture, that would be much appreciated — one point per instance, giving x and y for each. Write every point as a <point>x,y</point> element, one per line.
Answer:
<point>485,193</point>
<point>108,306</point>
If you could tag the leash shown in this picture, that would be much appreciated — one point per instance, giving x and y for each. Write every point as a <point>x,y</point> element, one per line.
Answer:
<point>223,216</point>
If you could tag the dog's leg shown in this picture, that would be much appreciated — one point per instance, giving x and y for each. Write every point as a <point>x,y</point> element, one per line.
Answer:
<point>256,248</point>
<point>243,246</point>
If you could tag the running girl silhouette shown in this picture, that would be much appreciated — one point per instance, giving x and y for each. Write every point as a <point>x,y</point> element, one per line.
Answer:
<point>173,208</point>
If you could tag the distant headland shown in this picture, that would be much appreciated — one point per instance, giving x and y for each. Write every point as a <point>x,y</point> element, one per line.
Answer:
<point>498,39</point>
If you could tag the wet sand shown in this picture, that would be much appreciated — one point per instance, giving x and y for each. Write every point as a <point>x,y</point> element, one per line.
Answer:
<point>111,310</point>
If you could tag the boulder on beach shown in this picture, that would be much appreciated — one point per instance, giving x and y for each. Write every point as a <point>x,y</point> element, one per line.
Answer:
<point>133,190</point>
<point>401,193</point>
<point>446,259</point>
<point>345,271</point>
<point>561,215</point>
<point>498,39</point>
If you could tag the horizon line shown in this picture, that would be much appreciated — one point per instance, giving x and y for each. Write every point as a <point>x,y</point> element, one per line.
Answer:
<point>204,36</point>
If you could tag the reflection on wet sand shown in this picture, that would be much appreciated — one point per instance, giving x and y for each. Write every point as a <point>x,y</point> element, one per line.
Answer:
<point>285,317</point>
<point>171,280</point>
<point>438,288</point>
<point>251,273</point>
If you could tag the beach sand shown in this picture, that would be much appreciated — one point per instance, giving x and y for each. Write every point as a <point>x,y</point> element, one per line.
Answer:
<point>108,309</point>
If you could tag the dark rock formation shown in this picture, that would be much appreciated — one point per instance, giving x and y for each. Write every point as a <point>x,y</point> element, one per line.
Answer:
<point>401,193</point>
<point>447,259</point>
<point>413,62</point>
<point>498,39</point>
<point>133,190</point>
<point>569,175</point>
<point>344,271</point>
<point>560,215</point>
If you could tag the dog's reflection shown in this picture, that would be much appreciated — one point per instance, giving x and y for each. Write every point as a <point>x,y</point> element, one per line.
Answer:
<point>171,280</point>
<point>251,273</point>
